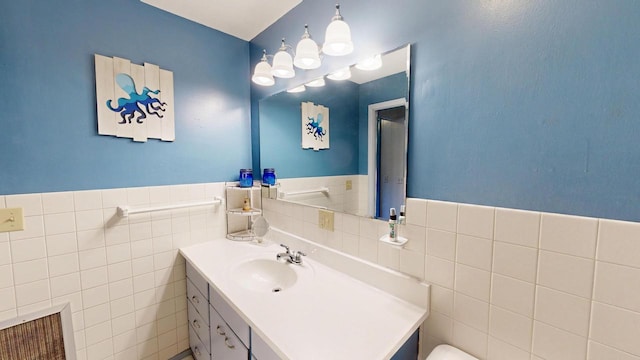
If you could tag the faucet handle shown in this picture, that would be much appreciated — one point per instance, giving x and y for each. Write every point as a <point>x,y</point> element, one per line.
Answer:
<point>286,248</point>
<point>297,255</point>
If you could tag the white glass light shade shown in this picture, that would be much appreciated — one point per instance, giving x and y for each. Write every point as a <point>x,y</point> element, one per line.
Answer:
<point>316,83</point>
<point>297,89</point>
<point>307,55</point>
<point>342,74</point>
<point>282,65</point>
<point>262,74</point>
<point>373,63</point>
<point>337,39</point>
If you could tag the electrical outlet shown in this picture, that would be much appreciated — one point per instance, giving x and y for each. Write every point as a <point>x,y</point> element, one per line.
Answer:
<point>349,185</point>
<point>11,220</point>
<point>325,220</point>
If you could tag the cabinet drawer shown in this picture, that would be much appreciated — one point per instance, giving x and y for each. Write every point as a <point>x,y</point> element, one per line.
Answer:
<point>198,300</point>
<point>260,350</point>
<point>224,343</point>
<point>198,280</point>
<point>237,324</point>
<point>198,325</point>
<point>198,349</point>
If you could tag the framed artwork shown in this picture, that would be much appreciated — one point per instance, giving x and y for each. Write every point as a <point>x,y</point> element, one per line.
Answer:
<point>134,101</point>
<point>315,126</point>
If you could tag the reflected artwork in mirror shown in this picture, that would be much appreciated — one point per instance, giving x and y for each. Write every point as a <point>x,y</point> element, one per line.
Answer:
<point>363,171</point>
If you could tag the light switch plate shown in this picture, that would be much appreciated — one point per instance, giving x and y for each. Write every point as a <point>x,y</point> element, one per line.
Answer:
<point>325,220</point>
<point>349,185</point>
<point>11,220</point>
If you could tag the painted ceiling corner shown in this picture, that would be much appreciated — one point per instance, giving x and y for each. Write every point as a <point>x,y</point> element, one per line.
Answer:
<point>243,19</point>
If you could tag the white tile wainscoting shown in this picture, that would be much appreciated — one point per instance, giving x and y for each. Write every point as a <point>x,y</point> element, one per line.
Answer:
<point>506,284</point>
<point>123,276</point>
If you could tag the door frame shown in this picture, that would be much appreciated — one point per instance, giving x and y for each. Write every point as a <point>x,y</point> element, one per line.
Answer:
<point>372,148</point>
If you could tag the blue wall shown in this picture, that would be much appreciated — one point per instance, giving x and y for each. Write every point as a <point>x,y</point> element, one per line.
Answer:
<point>280,135</point>
<point>48,126</point>
<point>522,104</point>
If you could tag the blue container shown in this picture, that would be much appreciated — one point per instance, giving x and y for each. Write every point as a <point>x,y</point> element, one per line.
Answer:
<point>246,178</point>
<point>269,176</point>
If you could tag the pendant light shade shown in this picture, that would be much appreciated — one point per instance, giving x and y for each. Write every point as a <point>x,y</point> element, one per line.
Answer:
<point>262,72</point>
<point>337,38</point>
<point>342,74</point>
<point>307,53</point>
<point>282,63</point>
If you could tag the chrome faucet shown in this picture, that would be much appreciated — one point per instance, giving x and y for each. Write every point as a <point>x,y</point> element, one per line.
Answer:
<point>292,258</point>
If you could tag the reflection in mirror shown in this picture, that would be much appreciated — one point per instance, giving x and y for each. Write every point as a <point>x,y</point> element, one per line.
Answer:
<point>363,171</point>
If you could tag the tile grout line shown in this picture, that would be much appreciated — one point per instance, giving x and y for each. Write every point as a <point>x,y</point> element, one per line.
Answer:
<point>535,286</point>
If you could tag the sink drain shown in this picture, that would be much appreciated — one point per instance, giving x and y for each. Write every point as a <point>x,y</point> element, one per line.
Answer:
<point>275,290</point>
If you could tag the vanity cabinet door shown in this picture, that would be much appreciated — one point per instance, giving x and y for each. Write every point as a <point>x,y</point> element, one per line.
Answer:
<point>260,350</point>
<point>225,344</point>
<point>231,317</point>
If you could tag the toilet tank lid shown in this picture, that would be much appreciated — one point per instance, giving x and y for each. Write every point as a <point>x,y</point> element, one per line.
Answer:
<point>448,352</point>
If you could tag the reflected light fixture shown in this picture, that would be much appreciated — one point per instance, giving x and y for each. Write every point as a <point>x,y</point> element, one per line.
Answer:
<point>316,83</point>
<point>372,63</point>
<point>341,74</point>
<point>337,38</point>
<point>283,63</point>
<point>297,89</point>
<point>307,52</point>
<point>262,73</point>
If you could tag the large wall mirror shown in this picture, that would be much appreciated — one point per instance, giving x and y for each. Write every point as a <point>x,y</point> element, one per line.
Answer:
<point>363,170</point>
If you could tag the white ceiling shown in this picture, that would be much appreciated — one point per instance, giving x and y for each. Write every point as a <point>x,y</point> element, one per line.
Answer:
<point>241,18</point>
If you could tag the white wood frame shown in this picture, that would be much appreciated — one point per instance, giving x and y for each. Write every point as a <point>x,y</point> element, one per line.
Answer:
<point>372,148</point>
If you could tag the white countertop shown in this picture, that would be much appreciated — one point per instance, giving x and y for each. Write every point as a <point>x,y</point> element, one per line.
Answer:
<point>326,315</point>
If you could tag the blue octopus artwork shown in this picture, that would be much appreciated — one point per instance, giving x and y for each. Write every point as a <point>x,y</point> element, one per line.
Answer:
<point>314,127</point>
<point>129,107</point>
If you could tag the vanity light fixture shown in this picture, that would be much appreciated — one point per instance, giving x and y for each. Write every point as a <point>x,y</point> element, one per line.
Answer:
<point>307,53</point>
<point>372,63</point>
<point>337,38</point>
<point>283,63</point>
<point>341,74</point>
<point>262,73</point>
<point>297,89</point>
<point>316,83</point>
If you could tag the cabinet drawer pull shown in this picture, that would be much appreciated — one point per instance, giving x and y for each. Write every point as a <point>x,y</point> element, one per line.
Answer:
<point>196,323</point>
<point>226,342</point>
<point>195,299</point>
<point>219,330</point>
<point>196,351</point>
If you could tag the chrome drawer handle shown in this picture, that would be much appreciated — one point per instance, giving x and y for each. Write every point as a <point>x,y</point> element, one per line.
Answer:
<point>197,351</point>
<point>226,342</point>
<point>196,323</point>
<point>219,330</point>
<point>195,299</point>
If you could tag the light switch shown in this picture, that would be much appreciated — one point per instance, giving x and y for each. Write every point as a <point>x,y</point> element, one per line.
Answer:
<point>11,220</point>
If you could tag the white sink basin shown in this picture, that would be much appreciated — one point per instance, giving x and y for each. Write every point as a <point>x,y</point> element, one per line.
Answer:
<point>264,275</point>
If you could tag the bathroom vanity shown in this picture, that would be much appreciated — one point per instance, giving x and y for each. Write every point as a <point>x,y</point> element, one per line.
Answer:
<point>243,302</point>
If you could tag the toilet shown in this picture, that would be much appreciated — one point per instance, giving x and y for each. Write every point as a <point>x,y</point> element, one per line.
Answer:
<point>448,352</point>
